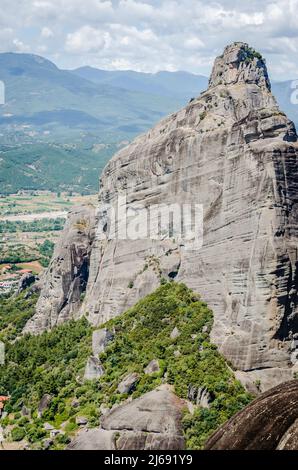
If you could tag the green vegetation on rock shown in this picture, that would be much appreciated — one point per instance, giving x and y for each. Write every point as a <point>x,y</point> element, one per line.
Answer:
<point>14,313</point>
<point>54,362</point>
<point>252,54</point>
<point>46,249</point>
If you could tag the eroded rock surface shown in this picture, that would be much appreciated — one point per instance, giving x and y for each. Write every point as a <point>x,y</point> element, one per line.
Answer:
<point>64,282</point>
<point>233,151</point>
<point>44,404</point>
<point>100,340</point>
<point>26,281</point>
<point>128,383</point>
<point>94,369</point>
<point>270,422</point>
<point>152,421</point>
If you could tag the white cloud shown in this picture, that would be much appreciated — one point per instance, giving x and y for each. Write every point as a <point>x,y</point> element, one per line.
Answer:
<point>193,43</point>
<point>151,35</point>
<point>86,39</point>
<point>19,46</point>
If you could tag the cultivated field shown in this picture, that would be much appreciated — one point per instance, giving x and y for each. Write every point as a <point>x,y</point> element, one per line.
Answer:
<point>30,225</point>
<point>40,202</point>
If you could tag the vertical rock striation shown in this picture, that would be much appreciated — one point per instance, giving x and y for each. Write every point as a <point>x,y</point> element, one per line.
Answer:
<point>64,283</point>
<point>233,151</point>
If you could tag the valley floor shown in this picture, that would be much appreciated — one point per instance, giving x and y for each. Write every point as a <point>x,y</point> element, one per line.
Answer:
<point>30,224</point>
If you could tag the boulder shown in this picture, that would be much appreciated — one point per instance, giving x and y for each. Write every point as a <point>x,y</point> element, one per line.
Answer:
<point>47,443</point>
<point>128,383</point>
<point>94,369</point>
<point>151,422</point>
<point>93,439</point>
<point>48,427</point>
<point>265,379</point>
<point>81,420</point>
<point>157,411</point>
<point>44,404</point>
<point>100,340</point>
<point>75,403</point>
<point>152,367</point>
<point>175,333</point>
<point>267,423</point>
<point>25,411</point>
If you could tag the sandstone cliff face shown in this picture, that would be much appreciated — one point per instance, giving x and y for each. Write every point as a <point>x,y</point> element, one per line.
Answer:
<point>268,423</point>
<point>66,278</point>
<point>233,151</point>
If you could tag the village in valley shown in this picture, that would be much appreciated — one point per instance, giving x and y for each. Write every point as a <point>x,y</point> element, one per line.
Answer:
<point>10,276</point>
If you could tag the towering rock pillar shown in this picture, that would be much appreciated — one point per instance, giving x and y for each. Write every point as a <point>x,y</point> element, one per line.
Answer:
<point>233,151</point>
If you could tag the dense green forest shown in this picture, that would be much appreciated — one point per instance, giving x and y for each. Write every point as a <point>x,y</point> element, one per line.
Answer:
<point>53,167</point>
<point>54,363</point>
<point>14,313</point>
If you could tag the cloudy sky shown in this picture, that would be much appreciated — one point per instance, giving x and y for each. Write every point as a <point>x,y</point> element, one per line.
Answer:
<point>151,35</point>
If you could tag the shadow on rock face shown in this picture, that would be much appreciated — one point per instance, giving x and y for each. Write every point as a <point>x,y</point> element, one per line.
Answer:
<point>268,423</point>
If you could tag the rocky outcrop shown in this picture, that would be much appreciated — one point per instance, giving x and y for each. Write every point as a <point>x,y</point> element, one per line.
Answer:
<point>26,281</point>
<point>100,340</point>
<point>240,64</point>
<point>234,152</point>
<point>152,421</point>
<point>94,369</point>
<point>128,383</point>
<point>270,422</point>
<point>44,404</point>
<point>81,420</point>
<point>65,280</point>
<point>153,367</point>
<point>200,396</point>
<point>260,380</point>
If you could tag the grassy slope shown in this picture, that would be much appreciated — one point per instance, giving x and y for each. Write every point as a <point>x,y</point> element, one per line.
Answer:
<point>53,362</point>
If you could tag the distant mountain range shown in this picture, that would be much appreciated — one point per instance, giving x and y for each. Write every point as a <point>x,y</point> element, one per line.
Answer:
<point>112,105</point>
<point>181,85</point>
<point>86,107</point>
<point>44,102</point>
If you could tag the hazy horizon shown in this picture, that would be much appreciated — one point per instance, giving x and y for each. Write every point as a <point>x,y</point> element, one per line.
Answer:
<point>150,35</point>
<point>199,74</point>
